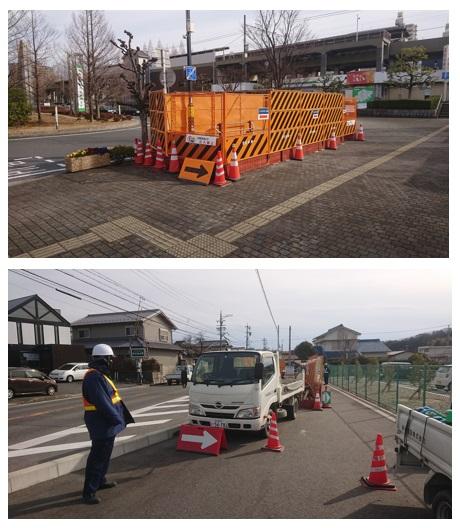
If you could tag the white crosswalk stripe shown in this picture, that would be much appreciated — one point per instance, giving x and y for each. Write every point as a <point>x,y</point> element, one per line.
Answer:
<point>32,166</point>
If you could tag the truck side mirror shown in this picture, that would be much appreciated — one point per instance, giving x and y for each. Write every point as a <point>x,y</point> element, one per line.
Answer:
<point>259,371</point>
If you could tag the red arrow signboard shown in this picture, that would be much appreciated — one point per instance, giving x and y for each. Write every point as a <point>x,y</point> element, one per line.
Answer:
<point>199,439</point>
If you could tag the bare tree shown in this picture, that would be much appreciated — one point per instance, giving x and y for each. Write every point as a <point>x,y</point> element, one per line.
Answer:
<point>230,79</point>
<point>136,78</point>
<point>40,44</point>
<point>18,26</point>
<point>275,34</point>
<point>90,36</point>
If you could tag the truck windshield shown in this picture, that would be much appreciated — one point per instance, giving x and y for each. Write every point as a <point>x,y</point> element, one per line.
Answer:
<point>225,368</point>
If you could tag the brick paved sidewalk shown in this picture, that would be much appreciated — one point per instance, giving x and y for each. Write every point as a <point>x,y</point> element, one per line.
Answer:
<point>386,197</point>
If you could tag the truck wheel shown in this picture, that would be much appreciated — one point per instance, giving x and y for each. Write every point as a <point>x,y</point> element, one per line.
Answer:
<point>169,382</point>
<point>292,410</point>
<point>442,505</point>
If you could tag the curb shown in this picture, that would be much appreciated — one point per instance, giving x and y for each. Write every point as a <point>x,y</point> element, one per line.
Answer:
<point>24,478</point>
<point>71,132</point>
<point>366,403</point>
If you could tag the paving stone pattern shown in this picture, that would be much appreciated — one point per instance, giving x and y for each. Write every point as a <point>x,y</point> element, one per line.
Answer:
<point>358,201</point>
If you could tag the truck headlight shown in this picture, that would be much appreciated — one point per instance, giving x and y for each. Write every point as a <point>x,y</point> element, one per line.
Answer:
<point>196,410</point>
<point>251,412</point>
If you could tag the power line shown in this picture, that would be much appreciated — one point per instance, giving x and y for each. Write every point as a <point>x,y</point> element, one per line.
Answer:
<point>277,328</point>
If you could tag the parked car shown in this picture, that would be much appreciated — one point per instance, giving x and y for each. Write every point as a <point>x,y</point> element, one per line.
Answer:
<point>443,378</point>
<point>176,376</point>
<point>70,372</point>
<point>23,380</point>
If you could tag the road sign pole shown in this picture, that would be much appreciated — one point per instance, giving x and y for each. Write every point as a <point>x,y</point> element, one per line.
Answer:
<point>191,116</point>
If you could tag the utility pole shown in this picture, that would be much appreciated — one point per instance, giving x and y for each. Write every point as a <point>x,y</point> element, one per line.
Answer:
<point>264,343</point>
<point>221,328</point>
<point>245,53</point>
<point>357,25</point>
<point>188,34</point>
<point>248,333</point>
<point>278,338</point>
<point>289,341</point>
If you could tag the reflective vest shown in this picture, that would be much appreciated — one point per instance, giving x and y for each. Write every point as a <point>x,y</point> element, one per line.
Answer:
<point>88,406</point>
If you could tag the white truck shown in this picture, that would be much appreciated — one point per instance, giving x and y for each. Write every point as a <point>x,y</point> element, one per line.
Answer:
<point>424,441</point>
<point>237,389</point>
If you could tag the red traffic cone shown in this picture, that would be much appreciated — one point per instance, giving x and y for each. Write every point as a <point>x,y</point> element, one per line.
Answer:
<point>360,134</point>
<point>159,160</point>
<point>332,143</point>
<point>148,160</point>
<point>174,165</point>
<point>273,443</point>
<point>298,150</point>
<point>234,170</point>
<point>139,159</point>
<point>219,177</point>
<point>378,476</point>
<point>317,404</point>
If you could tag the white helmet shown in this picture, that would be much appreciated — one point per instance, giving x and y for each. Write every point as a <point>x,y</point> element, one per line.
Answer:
<point>102,350</point>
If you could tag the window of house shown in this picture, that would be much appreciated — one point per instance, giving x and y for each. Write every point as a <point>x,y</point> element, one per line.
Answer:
<point>83,332</point>
<point>163,335</point>
<point>130,331</point>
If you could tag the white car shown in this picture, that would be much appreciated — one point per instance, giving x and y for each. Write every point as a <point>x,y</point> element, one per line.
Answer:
<point>69,372</point>
<point>443,378</point>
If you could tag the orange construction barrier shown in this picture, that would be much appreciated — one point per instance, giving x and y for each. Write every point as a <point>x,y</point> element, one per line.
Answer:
<point>174,165</point>
<point>159,160</point>
<point>234,170</point>
<point>298,150</point>
<point>219,177</point>
<point>148,159</point>
<point>273,443</point>
<point>378,475</point>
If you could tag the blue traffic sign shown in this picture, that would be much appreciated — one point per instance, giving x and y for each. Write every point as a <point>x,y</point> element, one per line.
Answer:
<point>445,75</point>
<point>190,73</point>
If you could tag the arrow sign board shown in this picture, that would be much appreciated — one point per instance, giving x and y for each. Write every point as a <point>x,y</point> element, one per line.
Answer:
<point>195,170</point>
<point>199,439</point>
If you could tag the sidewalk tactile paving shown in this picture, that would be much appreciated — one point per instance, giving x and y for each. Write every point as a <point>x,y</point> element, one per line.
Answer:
<point>110,232</point>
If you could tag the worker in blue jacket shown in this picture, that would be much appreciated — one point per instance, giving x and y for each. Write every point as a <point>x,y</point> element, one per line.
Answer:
<point>105,416</point>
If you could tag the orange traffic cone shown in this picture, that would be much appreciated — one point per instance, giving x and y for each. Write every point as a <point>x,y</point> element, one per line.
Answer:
<point>148,160</point>
<point>174,165</point>
<point>360,134</point>
<point>298,150</point>
<point>317,404</point>
<point>219,177</point>
<point>139,159</point>
<point>234,170</point>
<point>273,443</point>
<point>159,160</point>
<point>378,476</point>
<point>332,143</point>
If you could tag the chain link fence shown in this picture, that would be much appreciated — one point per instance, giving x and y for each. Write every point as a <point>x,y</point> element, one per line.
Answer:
<point>390,385</point>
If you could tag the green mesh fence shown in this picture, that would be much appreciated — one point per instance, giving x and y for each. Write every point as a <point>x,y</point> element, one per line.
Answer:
<point>389,385</point>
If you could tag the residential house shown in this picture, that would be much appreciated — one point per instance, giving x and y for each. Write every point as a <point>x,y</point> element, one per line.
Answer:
<point>399,355</point>
<point>123,331</point>
<point>338,343</point>
<point>373,348</point>
<point>438,354</point>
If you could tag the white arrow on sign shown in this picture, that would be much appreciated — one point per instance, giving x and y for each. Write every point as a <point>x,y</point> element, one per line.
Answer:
<point>206,440</point>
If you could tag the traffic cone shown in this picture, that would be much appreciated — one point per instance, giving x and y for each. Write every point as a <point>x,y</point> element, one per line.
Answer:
<point>378,477</point>
<point>298,150</point>
<point>148,160</point>
<point>159,160</point>
<point>174,165</point>
<point>139,159</point>
<point>219,177</point>
<point>273,443</point>
<point>234,170</point>
<point>317,404</point>
<point>332,143</point>
<point>360,134</point>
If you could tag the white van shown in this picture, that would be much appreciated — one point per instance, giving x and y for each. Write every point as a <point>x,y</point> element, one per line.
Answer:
<point>443,378</point>
<point>69,372</point>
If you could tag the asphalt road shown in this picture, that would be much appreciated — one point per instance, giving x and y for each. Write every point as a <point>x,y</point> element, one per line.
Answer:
<point>317,476</point>
<point>34,157</point>
<point>46,429</point>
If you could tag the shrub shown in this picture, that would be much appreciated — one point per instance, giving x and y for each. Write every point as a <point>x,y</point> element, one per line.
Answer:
<point>120,152</point>
<point>19,108</point>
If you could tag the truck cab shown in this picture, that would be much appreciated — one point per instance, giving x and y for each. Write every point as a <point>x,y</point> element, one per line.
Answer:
<point>237,389</point>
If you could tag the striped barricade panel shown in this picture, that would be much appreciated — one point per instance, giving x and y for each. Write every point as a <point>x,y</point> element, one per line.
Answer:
<point>157,118</point>
<point>247,146</point>
<point>349,116</point>
<point>191,150</point>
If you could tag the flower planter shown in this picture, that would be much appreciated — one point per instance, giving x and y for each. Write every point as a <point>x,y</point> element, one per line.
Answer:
<point>87,162</point>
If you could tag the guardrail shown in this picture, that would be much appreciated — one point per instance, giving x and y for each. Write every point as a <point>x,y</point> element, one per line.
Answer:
<point>390,385</point>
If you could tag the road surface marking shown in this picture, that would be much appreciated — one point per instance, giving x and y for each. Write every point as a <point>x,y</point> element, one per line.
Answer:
<point>59,447</point>
<point>220,245</point>
<point>61,164</point>
<point>48,438</point>
<point>35,174</point>
<point>137,415</point>
<point>77,133</point>
<point>151,422</point>
<point>29,157</point>
<point>50,161</point>
<point>39,413</point>
<point>39,157</point>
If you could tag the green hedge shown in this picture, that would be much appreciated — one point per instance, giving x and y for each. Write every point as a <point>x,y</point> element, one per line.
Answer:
<point>406,104</point>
